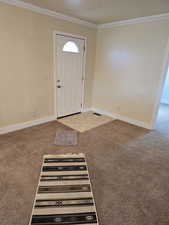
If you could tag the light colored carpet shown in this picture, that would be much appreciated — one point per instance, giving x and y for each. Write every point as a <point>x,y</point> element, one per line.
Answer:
<point>128,168</point>
<point>85,121</point>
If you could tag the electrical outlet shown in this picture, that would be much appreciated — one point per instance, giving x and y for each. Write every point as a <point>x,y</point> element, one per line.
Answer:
<point>47,77</point>
<point>34,114</point>
<point>118,108</point>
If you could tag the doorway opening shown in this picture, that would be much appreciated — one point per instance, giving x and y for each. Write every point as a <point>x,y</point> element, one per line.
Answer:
<point>163,112</point>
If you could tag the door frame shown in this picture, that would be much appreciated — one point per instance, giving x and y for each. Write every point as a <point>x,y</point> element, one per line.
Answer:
<point>56,67</point>
<point>165,67</point>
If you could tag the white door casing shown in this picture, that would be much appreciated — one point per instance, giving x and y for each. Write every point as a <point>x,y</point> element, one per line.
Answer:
<point>69,81</point>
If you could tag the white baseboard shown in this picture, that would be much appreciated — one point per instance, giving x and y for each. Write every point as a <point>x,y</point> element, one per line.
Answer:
<point>21,126</point>
<point>87,109</point>
<point>122,118</point>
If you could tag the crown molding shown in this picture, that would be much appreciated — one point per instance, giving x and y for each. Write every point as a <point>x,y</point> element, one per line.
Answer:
<point>75,20</point>
<point>164,16</point>
<point>48,12</point>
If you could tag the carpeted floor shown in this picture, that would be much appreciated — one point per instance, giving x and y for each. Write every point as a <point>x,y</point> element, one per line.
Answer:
<point>129,168</point>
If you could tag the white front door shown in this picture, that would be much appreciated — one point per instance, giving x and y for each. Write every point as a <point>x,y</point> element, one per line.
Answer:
<point>69,83</point>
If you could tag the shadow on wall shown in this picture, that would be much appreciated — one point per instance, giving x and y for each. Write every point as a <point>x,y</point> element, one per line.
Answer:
<point>165,95</point>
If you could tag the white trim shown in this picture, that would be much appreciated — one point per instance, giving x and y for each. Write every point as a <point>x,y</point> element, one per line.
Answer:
<point>163,16</point>
<point>48,12</point>
<point>21,126</point>
<point>84,73</point>
<point>54,73</point>
<point>119,117</point>
<point>161,86</point>
<point>69,35</point>
<point>55,66</point>
<point>75,20</point>
<point>87,110</point>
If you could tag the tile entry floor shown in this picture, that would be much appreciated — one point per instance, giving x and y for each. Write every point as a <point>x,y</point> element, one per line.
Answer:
<point>85,121</point>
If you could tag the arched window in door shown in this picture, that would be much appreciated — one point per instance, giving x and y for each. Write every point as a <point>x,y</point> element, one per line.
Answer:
<point>70,46</point>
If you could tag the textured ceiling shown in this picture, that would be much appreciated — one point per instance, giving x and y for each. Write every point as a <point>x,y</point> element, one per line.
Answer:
<point>104,11</point>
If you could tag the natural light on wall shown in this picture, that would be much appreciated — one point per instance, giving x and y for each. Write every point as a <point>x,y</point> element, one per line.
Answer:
<point>165,95</point>
<point>70,46</point>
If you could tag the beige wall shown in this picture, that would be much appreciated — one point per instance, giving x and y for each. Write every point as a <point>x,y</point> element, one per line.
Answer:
<point>128,69</point>
<point>26,63</point>
<point>128,66</point>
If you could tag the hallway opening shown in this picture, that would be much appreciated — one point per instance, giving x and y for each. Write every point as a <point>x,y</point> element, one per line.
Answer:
<point>163,113</point>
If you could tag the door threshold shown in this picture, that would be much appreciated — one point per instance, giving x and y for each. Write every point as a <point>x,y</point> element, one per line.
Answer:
<point>60,117</point>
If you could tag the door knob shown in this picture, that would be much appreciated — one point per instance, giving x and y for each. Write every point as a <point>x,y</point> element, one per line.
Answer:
<point>59,86</point>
